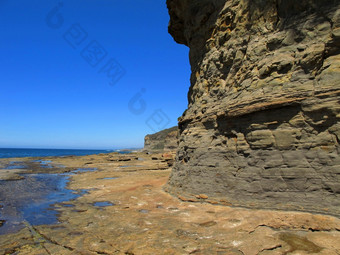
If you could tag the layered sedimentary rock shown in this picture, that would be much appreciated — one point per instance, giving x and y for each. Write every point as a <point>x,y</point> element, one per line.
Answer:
<point>165,140</point>
<point>262,125</point>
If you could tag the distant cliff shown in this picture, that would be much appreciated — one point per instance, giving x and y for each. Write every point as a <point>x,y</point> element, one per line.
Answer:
<point>262,126</point>
<point>165,140</point>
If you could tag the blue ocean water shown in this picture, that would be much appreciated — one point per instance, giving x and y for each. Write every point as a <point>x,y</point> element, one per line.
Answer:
<point>18,153</point>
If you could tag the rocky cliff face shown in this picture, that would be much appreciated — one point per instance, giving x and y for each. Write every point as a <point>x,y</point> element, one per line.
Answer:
<point>262,126</point>
<point>165,140</point>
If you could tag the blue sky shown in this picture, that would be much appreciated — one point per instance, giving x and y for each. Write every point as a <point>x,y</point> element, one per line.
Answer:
<point>58,60</point>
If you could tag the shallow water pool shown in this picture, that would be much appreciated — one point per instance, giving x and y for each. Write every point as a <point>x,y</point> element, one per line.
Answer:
<point>31,200</point>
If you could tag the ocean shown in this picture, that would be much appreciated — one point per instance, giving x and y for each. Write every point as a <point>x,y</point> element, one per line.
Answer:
<point>18,153</point>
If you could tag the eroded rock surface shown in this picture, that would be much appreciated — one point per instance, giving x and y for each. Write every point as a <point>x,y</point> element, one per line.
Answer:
<point>262,126</point>
<point>165,140</point>
<point>126,211</point>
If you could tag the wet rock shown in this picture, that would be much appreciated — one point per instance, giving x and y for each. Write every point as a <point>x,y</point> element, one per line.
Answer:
<point>180,228</point>
<point>102,204</point>
<point>299,243</point>
<point>144,211</point>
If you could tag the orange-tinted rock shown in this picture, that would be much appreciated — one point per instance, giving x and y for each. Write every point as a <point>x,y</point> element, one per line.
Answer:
<point>262,125</point>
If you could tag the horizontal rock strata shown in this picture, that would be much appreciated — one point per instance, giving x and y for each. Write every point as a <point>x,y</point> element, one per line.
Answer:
<point>165,140</point>
<point>262,126</point>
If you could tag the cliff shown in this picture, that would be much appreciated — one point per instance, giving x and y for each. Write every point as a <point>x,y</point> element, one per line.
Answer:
<point>165,140</point>
<point>262,125</point>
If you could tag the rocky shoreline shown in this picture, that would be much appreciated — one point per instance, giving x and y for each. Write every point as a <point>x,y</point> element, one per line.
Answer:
<point>127,211</point>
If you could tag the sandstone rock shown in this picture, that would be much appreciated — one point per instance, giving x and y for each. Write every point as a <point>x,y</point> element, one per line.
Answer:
<point>11,175</point>
<point>186,199</point>
<point>167,156</point>
<point>203,196</point>
<point>147,220</point>
<point>165,140</point>
<point>262,124</point>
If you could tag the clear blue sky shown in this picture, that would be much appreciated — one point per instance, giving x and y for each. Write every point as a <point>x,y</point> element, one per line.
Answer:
<point>57,63</point>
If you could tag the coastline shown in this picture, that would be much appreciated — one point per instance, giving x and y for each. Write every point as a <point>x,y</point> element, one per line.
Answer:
<point>126,211</point>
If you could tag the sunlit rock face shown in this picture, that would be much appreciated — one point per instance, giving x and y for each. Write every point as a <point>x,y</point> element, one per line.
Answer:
<point>262,126</point>
<point>163,141</point>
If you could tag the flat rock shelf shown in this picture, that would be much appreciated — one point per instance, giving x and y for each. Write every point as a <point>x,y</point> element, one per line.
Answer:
<point>31,199</point>
<point>126,211</point>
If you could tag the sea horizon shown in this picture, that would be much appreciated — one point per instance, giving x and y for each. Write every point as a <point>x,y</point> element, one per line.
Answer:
<point>41,152</point>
